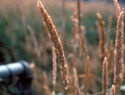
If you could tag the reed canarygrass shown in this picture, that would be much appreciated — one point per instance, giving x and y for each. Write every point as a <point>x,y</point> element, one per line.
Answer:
<point>54,70</point>
<point>79,16</point>
<point>119,49</point>
<point>76,84</point>
<point>110,56</point>
<point>85,52</point>
<point>83,42</point>
<point>109,31</point>
<point>35,42</point>
<point>81,37</point>
<point>117,7</point>
<point>118,53</point>
<point>105,77</point>
<point>86,59</point>
<point>57,44</point>
<point>101,27</point>
<point>75,26</point>
<point>75,36</point>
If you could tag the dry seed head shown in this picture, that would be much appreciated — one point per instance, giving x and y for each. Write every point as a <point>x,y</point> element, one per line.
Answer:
<point>109,31</point>
<point>83,42</point>
<point>86,58</point>
<point>57,44</point>
<point>118,54</point>
<point>110,56</point>
<point>85,51</point>
<point>75,26</point>
<point>101,27</point>
<point>105,77</point>
<point>117,7</point>
<point>79,16</point>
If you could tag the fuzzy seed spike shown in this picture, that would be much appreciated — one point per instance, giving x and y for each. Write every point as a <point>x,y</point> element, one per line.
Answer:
<point>118,53</point>
<point>117,7</point>
<point>56,41</point>
<point>105,77</point>
<point>101,27</point>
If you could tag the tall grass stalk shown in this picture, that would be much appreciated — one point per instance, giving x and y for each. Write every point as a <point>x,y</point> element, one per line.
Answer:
<point>110,57</point>
<point>35,42</point>
<point>105,77</point>
<point>118,8</point>
<point>109,31</point>
<point>86,59</point>
<point>79,16</point>
<point>118,53</point>
<point>101,27</point>
<point>56,41</point>
<point>76,84</point>
<point>54,71</point>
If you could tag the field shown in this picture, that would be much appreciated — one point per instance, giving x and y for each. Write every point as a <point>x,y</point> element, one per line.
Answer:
<point>78,58</point>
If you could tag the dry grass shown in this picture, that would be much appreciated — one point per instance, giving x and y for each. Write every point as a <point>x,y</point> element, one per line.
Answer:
<point>119,48</point>
<point>76,84</point>
<point>79,54</point>
<point>118,53</point>
<point>86,59</point>
<point>105,77</point>
<point>110,56</point>
<point>102,42</point>
<point>118,9</point>
<point>53,34</point>
<point>79,15</point>
<point>54,71</point>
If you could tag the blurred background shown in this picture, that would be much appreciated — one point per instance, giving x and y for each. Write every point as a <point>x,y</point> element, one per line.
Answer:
<point>23,37</point>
